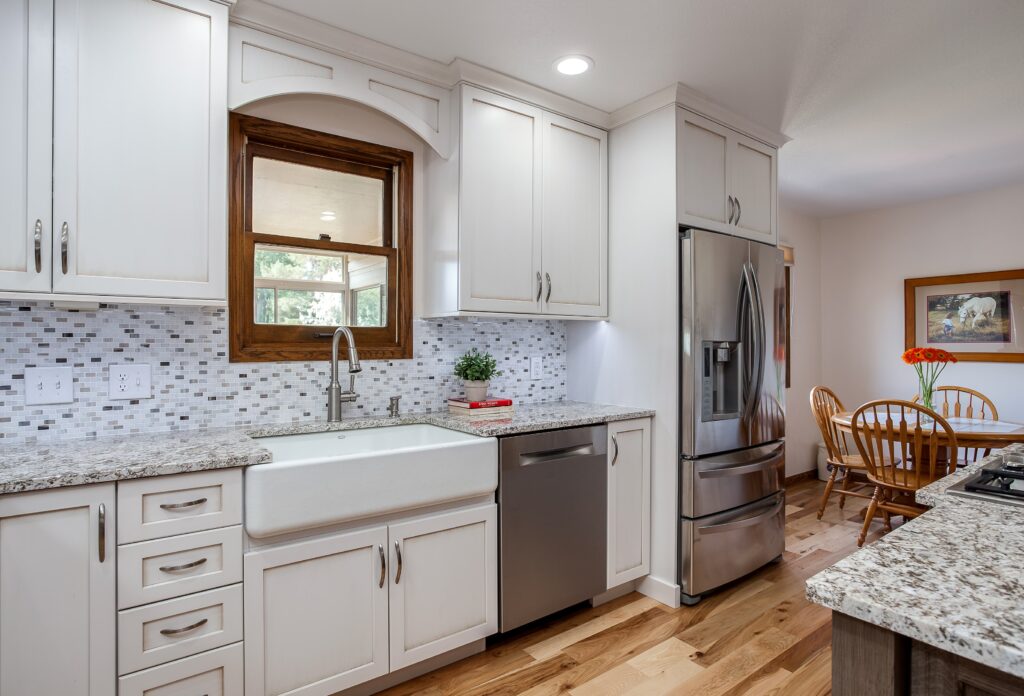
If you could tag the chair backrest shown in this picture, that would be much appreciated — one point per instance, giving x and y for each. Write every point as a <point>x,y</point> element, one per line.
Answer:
<point>904,445</point>
<point>824,405</point>
<point>962,402</point>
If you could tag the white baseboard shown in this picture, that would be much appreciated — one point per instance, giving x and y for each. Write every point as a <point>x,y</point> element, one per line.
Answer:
<point>662,590</point>
<point>614,593</point>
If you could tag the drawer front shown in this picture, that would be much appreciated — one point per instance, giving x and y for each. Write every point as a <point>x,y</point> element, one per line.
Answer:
<point>214,673</point>
<point>150,571</point>
<point>723,482</point>
<point>163,506</point>
<point>176,628</point>
<point>720,548</point>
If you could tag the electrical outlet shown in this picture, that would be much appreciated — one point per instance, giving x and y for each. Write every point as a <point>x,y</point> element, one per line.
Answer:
<point>130,382</point>
<point>49,385</point>
<point>536,367</point>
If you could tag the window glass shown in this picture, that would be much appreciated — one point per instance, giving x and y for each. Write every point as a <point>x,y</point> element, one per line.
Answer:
<point>305,287</point>
<point>297,200</point>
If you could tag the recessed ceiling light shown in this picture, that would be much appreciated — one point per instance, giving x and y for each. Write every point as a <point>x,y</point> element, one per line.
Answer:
<point>328,216</point>
<point>573,65</point>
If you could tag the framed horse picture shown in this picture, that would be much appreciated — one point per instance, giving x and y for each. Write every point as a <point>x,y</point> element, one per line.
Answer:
<point>975,316</point>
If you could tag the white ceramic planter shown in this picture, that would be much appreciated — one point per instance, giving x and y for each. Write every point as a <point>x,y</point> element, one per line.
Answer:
<point>476,389</point>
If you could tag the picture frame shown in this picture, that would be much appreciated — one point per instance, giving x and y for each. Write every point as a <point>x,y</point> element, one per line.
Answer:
<point>975,316</point>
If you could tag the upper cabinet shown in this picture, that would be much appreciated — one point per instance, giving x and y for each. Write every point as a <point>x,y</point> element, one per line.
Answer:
<point>727,181</point>
<point>138,202</point>
<point>529,235</point>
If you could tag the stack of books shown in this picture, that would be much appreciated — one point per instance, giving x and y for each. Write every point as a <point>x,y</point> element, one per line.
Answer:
<point>491,409</point>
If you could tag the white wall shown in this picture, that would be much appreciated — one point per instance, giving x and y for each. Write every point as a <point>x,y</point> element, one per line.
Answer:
<point>866,257</point>
<point>802,436</point>
<point>632,359</point>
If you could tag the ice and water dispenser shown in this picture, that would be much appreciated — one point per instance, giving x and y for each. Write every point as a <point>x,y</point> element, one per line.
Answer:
<point>720,380</point>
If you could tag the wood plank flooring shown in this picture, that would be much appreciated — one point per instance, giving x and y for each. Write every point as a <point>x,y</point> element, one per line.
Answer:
<point>759,636</point>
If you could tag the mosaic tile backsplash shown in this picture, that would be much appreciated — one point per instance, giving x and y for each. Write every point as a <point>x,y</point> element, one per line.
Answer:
<point>194,385</point>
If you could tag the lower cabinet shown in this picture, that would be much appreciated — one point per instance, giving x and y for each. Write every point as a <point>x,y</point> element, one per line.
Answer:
<point>57,592</point>
<point>629,500</point>
<point>318,613</point>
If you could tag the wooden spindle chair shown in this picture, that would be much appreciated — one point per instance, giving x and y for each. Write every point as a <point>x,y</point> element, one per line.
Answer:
<point>848,469</point>
<point>964,402</point>
<point>902,445</point>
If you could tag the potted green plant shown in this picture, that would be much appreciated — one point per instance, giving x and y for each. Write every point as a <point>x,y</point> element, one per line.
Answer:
<point>476,369</point>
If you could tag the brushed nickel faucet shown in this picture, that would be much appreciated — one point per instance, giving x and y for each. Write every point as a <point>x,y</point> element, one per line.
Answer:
<point>335,396</point>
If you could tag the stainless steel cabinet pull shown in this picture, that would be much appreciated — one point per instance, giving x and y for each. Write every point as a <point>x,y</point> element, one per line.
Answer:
<point>102,515</point>
<point>64,248</point>
<point>383,565</point>
<point>615,456</point>
<point>185,629</point>
<point>37,240</point>
<point>540,286</point>
<point>183,566</point>
<point>182,506</point>
<point>548,277</point>
<point>732,210</point>
<point>398,555</point>
<point>739,211</point>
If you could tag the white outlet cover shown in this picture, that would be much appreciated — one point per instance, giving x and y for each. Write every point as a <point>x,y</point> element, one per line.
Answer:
<point>536,367</point>
<point>49,385</point>
<point>130,382</point>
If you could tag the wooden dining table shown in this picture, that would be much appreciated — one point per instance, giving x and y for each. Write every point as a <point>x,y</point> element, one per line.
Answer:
<point>970,432</point>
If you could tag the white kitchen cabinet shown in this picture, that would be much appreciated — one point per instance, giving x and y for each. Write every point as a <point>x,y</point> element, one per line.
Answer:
<point>527,234</point>
<point>575,218</point>
<point>500,204</point>
<point>316,614</point>
<point>444,575</point>
<point>727,181</point>
<point>629,500</point>
<point>140,148</point>
<point>57,592</point>
<point>26,52</point>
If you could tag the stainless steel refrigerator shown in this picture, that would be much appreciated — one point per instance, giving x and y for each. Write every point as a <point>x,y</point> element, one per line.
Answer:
<point>732,409</point>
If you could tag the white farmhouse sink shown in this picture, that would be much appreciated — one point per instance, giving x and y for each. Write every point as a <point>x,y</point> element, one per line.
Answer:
<point>326,478</point>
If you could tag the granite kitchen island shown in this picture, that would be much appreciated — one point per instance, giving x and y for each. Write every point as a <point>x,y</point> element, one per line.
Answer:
<point>935,607</point>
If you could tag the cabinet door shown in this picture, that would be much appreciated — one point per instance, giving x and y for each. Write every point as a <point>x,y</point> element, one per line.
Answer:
<point>140,149</point>
<point>629,500</point>
<point>575,218</point>
<point>57,586</point>
<point>703,175</point>
<point>316,614</point>
<point>444,583</point>
<point>26,48</point>
<point>753,187</point>
<point>499,205</point>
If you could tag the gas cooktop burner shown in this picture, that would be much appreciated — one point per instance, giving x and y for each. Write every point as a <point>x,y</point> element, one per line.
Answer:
<point>1002,481</point>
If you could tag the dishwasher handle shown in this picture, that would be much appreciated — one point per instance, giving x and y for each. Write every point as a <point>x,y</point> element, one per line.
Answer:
<point>527,459</point>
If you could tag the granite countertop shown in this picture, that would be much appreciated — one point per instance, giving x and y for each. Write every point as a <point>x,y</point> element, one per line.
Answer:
<point>933,494</point>
<point>77,462</point>
<point>952,578</point>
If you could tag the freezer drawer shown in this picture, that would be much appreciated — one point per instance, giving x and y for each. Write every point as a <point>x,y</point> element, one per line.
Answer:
<point>725,481</point>
<point>720,548</point>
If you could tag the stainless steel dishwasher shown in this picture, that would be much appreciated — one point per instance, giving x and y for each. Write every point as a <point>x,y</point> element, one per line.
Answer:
<point>552,507</point>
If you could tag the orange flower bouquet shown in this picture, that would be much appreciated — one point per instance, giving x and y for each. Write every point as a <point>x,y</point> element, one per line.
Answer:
<point>929,363</point>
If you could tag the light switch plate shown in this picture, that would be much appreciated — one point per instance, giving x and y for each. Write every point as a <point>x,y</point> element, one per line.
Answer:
<point>130,382</point>
<point>49,385</point>
<point>536,367</point>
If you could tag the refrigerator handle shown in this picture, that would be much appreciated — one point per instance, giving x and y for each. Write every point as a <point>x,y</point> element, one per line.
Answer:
<point>760,322</point>
<point>756,339</point>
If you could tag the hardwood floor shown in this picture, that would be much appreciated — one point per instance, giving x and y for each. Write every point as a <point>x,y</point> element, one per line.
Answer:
<point>759,636</point>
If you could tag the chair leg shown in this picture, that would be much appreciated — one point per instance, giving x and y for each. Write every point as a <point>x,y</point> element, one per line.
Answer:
<point>886,520</point>
<point>828,491</point>
<point>845,487</point>
<point>869,515</point>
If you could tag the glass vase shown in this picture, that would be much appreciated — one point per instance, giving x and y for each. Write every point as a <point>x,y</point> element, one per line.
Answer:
<point>926,389</point>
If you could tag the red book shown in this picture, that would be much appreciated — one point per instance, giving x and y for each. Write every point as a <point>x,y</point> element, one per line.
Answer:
<point>490,403</point>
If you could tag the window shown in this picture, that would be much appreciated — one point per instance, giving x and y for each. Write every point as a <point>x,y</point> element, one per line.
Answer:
<point>320,237</point>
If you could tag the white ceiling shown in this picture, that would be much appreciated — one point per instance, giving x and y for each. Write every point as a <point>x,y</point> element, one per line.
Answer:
<point>886,101</point>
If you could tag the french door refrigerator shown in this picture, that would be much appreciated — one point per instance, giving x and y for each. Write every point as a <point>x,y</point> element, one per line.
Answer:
<point>732,417</point>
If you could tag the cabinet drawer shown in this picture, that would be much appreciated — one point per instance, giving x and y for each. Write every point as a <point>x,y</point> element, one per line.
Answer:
<point>176,628</point>
<point>214,673</point>
<point>163,568</point>
<point>163,506</point>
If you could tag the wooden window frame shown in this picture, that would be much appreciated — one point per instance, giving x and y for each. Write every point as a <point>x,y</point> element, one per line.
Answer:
<point>252,342</point>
